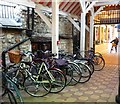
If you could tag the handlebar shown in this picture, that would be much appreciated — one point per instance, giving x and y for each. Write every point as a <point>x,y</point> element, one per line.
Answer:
<point>27,53</point>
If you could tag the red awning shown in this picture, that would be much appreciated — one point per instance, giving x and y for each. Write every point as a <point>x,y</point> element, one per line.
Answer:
<point>69,6</point>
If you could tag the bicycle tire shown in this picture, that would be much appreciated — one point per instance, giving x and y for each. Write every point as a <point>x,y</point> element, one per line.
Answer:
<point>37,88</point>
<point>76,73</point>
<point>98,54</point>
<point>69,58</point>
<point>67,70</point>
<point>69,74</point>
<point>99,63</point>
<point>86,73</point>
<point>12,87</point>
<point>59,82</point>
<point>19,78</point>
<point>91,66</point>
<point>8,97</point>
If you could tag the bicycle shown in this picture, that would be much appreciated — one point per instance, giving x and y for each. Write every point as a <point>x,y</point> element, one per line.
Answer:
<point>97,59</point>
<point>40,69</point>
<point>78,56</point>
<point>69,68</point>
<point>10,89</point>
<point>80,66</point>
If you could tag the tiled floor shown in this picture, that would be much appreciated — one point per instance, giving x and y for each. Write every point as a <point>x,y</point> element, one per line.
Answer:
<point>102,87</point>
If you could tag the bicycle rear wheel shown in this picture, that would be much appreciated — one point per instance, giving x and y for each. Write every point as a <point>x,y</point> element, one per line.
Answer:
<point>69,74</point>
<point>98,54</point>
<point>58,80</point>
<point>99,63</point>
<point>85,70</point>
<point>18,77</point>
<point>37,88</point>
<point>76,73</point>
<point>90,65</point>
<point>68,71</point>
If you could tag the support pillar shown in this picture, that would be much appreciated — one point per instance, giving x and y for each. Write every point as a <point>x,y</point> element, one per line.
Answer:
<point>100,34</point>
<point>55,26</point>
<point>82,36</point>
<point>91,31</point>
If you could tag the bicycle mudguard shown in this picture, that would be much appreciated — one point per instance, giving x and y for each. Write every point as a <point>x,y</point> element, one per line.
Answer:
<point>54,68</point>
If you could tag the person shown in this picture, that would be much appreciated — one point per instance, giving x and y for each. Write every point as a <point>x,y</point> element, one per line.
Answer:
<point>114,44</point>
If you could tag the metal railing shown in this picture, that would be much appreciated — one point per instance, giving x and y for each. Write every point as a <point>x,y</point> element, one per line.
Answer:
<point>108,17</point>
<point>7,11</point>
<point>10,48</point>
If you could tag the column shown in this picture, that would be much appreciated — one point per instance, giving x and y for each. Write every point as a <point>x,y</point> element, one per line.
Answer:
<point>92,28</point>
<point>107,39</point>
<point>82,35</point>
<point>99,34</point>
<point>55,26</point>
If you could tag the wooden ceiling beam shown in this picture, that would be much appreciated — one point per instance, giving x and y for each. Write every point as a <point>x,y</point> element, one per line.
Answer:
<point>107,3</point>
<point>90,6</point>
<point>81,5</point>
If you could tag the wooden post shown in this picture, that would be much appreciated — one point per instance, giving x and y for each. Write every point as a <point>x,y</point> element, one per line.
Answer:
<point>55,26</point>
<point>82,35</point>
<point>91,27</point>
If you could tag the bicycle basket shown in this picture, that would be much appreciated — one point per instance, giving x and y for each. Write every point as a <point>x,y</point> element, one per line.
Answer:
<point>61,62</point>
<point>14,56</point>
<point>113,44</point>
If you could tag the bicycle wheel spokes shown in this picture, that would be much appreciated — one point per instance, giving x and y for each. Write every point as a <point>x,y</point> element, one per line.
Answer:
<point>86,74</point>
<point>99,63</point>
<point>91,66</point>
<point>37,88</point>
<point>19,78</point>
<point>69,74</point>
<point>76,73</point>
<point>59,81</point>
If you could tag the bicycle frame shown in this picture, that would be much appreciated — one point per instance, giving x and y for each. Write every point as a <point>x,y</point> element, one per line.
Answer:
<point>36,77</point>
<point>12,83</point>
<point>43,65</point>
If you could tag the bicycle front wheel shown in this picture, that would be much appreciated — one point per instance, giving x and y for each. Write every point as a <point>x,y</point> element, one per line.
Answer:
<point>37,88</point>
<point>9,84</point>
<point>8,97</point>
